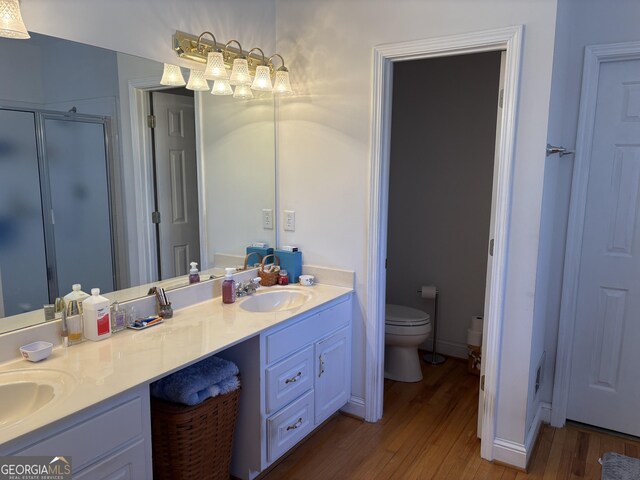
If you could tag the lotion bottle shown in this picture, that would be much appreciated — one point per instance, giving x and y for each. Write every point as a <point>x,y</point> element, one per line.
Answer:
<point>96,316</point>
<point>194,276</point>
<point>76,294</point>
<point>229,286</point>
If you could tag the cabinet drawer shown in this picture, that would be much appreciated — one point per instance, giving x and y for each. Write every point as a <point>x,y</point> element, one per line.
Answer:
<point>288,427</point>
<point>91,439</point>
<point>306,331</point>
<point>289,379</point>
<point>127,464</point>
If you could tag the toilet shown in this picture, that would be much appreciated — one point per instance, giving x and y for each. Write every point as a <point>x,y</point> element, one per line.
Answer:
<point>405,329</point>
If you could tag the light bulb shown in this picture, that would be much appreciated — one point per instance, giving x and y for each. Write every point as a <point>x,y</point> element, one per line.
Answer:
<point>172,76</point>
<point>215,68</point>
<point>262,80</point>
<point>221,87</point>
<point>240,72</point>
<point>197,81</point>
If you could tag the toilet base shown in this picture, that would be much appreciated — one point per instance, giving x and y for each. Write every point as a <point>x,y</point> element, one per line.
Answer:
<point>402,364</point>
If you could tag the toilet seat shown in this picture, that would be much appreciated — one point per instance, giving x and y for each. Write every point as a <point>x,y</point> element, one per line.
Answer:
<point>402,316</point>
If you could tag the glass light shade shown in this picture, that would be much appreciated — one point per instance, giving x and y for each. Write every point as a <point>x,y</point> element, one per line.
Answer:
<point>221,87</point>
<point>11,24</point>
<point>281,85</point>
<point>215,68</point>
<point>243,91</point>
<point>172,76</point>
<point>262,80</point>
<point>240,72</point>
<point>197,81</point>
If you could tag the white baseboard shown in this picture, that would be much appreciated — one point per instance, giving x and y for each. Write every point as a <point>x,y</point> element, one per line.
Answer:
<point>510,453</point>
<point>450,349</point>
<point>355,407</point>
<point>517,454</point>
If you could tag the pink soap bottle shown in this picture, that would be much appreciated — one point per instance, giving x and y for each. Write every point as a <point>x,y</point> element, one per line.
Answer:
<point>229,287</point>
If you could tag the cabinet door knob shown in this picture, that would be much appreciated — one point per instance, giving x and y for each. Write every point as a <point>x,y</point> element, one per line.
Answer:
<point>293,379</point>
<point>295,425</point>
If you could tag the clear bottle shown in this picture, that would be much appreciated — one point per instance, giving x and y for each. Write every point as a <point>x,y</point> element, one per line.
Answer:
<point>96,316</point>
<point>118,321</point>
<point>74,322</point>
<point>229,286</point>
<point>194,276</point>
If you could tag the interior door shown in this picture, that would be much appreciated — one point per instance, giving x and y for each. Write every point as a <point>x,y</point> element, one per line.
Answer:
<point>605,380</point>
<point>176,183</point>
<point>492,224</point>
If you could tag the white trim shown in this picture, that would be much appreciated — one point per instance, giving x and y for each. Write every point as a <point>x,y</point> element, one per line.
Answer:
<point>545,412</point>
<point>510,453</point>
<point>593,57</point>
<point>509,39</point>
<point>202,184</point>
<point>355,406</point>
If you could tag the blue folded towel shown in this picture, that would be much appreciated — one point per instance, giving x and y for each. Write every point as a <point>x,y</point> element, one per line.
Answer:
<point>208,378</point>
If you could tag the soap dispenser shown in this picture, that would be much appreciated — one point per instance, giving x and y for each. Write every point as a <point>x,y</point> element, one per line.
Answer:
<point>229,286</point>
<point>194,276</point>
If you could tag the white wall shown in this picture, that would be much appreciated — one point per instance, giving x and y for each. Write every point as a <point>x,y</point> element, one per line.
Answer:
<point>580,23</point>
<point>324,142</point>
<point>27,85</point>
<point>443,137</point>
<point>237,149</point>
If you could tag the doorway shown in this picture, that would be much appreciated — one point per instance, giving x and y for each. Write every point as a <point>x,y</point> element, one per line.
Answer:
<point>174,167</point>
<point>510,40</point>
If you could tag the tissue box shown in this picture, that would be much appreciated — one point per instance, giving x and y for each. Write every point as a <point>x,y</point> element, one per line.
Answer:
<point>263,252</point>
<point>291,262</point>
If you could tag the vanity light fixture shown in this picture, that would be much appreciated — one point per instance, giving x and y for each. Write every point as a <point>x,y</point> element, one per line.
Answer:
<point>197,81</point>
<point>172,76</point>
<point>243,65</point>
<point>11,23</point>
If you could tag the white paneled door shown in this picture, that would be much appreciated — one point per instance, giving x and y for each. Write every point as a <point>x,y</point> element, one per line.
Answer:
<point>605,365</point>
<point>176,183</point>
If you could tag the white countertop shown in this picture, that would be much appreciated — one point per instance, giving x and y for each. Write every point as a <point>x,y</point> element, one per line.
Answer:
<point>130,358</point>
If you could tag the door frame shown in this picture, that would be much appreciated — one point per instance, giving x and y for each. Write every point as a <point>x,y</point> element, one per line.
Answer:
<point>594,56</point>
<point>139,107</point>
<point>510,40</point>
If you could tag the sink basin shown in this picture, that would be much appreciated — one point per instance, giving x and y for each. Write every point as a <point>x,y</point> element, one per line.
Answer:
<point>24,392</point>
<point>275,301</point>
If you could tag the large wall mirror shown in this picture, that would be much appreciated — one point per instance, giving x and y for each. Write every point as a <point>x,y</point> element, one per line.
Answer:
<point>109,180</point>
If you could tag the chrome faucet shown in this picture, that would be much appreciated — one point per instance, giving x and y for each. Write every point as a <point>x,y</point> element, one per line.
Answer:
<point>244,289</point>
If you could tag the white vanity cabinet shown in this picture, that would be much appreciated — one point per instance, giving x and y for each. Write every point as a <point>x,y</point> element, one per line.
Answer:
<point>111,440</point>
<point>307,365</point>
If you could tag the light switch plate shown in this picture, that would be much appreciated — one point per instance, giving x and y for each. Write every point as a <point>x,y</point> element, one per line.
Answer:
<point>290,220</point>
<point>267,218</point>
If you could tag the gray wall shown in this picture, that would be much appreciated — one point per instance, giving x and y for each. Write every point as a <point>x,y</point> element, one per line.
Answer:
<point>442,153</point>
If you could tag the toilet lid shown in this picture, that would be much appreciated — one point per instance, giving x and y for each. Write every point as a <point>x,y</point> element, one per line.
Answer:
<point>405,316</point>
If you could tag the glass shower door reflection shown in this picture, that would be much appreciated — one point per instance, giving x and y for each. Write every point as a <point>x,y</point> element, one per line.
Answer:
<point>23,268</point>
<point>76,157</point>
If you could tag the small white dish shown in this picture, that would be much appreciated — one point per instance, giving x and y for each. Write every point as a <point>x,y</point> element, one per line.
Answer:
<point>36,351</point>
<point>307,280</point>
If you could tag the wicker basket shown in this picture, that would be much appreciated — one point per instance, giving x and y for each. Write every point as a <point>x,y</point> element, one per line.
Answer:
<point>246,259</point>
<point>193,442</point>
<point>268,279</point>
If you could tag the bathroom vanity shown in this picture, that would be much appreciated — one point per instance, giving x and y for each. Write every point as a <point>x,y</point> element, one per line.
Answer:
<point>295,371</point>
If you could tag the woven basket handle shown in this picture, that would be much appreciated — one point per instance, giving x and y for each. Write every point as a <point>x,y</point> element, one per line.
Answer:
<point>277,260</point>
<point>248,255</point>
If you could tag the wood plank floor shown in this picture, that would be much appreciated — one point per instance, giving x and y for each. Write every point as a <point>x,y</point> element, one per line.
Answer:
<point>428,431</point>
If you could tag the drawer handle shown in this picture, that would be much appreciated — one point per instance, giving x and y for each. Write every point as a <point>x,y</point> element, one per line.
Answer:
<point>293,379</point>
<point>298,424</point>
<point>321,366</point>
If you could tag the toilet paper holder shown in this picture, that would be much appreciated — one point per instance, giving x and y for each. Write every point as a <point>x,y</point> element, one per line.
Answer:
<point>434,358</point>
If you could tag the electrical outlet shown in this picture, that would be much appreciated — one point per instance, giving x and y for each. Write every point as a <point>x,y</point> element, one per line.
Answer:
<point>267,219</point>
<point>290,220</point>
